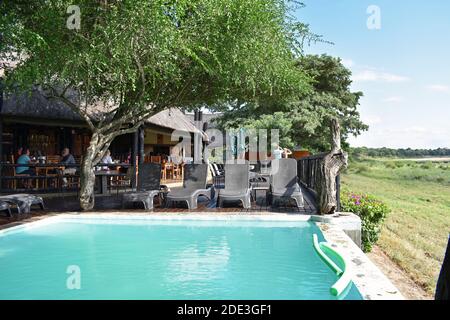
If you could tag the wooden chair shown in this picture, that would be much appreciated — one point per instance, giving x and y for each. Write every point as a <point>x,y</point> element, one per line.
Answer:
<point>166,169</point>
<point>176,171</point>
<point>155,159</point>
<point>53,159</point>
<point>73,181</point>
<point>120,182</point>
<point>14,174</point>
<point>54,175</point>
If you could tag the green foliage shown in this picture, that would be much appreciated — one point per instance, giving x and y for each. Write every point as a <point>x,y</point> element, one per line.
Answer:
<point>416,230</point>
<point>372,212</point>
<point>360,168</point>
<point>427,165</point>
<point>308,114</point>
<point>399,153</point>
<point>155,54</point>
<point>390,165</point>
<point>405,170</point>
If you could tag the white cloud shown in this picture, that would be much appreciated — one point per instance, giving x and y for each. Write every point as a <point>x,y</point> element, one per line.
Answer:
<point>395,99</point>
<point>348,63</point>
<point>407,137</point>
<point>371,119</point>
<point>439,88</point>
<point>373,75</point>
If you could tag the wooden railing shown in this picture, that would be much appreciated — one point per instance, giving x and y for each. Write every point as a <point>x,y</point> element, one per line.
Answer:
<point>309,171</point>
<point>320,173</point>
<point>47,177</point>
<point>311,175</point>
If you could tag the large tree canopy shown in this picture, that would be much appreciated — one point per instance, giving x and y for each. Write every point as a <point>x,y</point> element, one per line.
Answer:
<point>304,120</point>
<point>132,58</point>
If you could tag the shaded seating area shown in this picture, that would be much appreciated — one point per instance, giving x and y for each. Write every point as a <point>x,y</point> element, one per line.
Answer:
<point>194,186</point>
<point>148,186</point>
<point>236,185</point>
<point>245,190</point>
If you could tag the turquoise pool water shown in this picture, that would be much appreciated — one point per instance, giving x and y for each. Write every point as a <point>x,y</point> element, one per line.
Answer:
<point>164,259</point>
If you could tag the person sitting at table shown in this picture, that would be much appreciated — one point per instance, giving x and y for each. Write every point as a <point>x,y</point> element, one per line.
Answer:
<point>107,160</point>
<point>24,160</point>
<point>67,160</point>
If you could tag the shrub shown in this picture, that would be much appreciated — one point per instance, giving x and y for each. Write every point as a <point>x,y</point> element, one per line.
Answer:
<point>440,179</point>
<point>372,212</point>
<point>399,164</point>
<point>360,168</point>
<point>390,165</point>
<point>427,166</point>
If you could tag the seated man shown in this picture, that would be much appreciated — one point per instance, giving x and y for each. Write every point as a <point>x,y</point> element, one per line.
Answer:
<point>68,160</point>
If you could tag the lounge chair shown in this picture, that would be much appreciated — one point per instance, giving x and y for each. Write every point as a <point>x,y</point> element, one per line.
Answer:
<point>23,201</point>
<point>4,206</point>
<point>236,185</point>
<point>284,183</point>
<point>194,185</point>
<point>148,186</point>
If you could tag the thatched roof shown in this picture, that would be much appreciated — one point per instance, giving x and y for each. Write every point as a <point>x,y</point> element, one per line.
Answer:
<point>208,118</point>
<point>173,118</point>
<point>36,106</point>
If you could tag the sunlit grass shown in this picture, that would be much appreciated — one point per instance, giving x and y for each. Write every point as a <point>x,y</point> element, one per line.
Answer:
<point>416,231</point>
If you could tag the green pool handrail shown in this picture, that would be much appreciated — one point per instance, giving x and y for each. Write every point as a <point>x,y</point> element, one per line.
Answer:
<point>324,249</point>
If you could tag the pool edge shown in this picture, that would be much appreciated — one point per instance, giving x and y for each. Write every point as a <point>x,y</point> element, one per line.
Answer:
<point>370,281</point>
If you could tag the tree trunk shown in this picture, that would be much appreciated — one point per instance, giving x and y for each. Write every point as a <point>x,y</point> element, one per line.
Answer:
<point>94,153</point>
<point>332,164</point>
<point>87,182</point>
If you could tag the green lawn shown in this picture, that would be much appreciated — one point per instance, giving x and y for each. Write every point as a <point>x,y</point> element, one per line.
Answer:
<point>416,231</point>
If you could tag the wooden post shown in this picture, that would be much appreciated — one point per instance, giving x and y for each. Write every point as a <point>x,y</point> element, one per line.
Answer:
<point>338,193</point>
<point>1,150</point>
<point>141,132</point>
<point>330,167</point>
<point>133,161</point>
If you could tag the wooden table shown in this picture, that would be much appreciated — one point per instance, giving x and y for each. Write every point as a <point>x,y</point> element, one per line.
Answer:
<point>104,175</point>
<point>48,168</point>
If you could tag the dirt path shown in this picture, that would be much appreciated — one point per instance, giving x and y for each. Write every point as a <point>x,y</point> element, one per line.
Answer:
<point>409,289</point>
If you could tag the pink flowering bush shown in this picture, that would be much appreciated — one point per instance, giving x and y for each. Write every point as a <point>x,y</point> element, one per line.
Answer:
<point>372,212</point>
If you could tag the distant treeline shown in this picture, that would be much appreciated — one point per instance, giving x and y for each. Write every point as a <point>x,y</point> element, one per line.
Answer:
<point>400,153</point>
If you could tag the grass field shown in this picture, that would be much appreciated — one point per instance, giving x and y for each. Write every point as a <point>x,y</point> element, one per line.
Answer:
<point>416,231</point>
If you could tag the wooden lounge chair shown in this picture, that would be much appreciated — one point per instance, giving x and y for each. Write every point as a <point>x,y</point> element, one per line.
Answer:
<point>4,206</point>
<point>236,185</point>
<point>148,186</point>
<point>284,183</point>
<point>24,201</point>
<point>194,185</point>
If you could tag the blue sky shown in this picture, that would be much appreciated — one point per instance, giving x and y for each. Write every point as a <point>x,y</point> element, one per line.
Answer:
<point>403,68</point>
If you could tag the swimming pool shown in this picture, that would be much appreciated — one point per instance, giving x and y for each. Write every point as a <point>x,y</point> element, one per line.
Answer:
<point>91,258</point>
